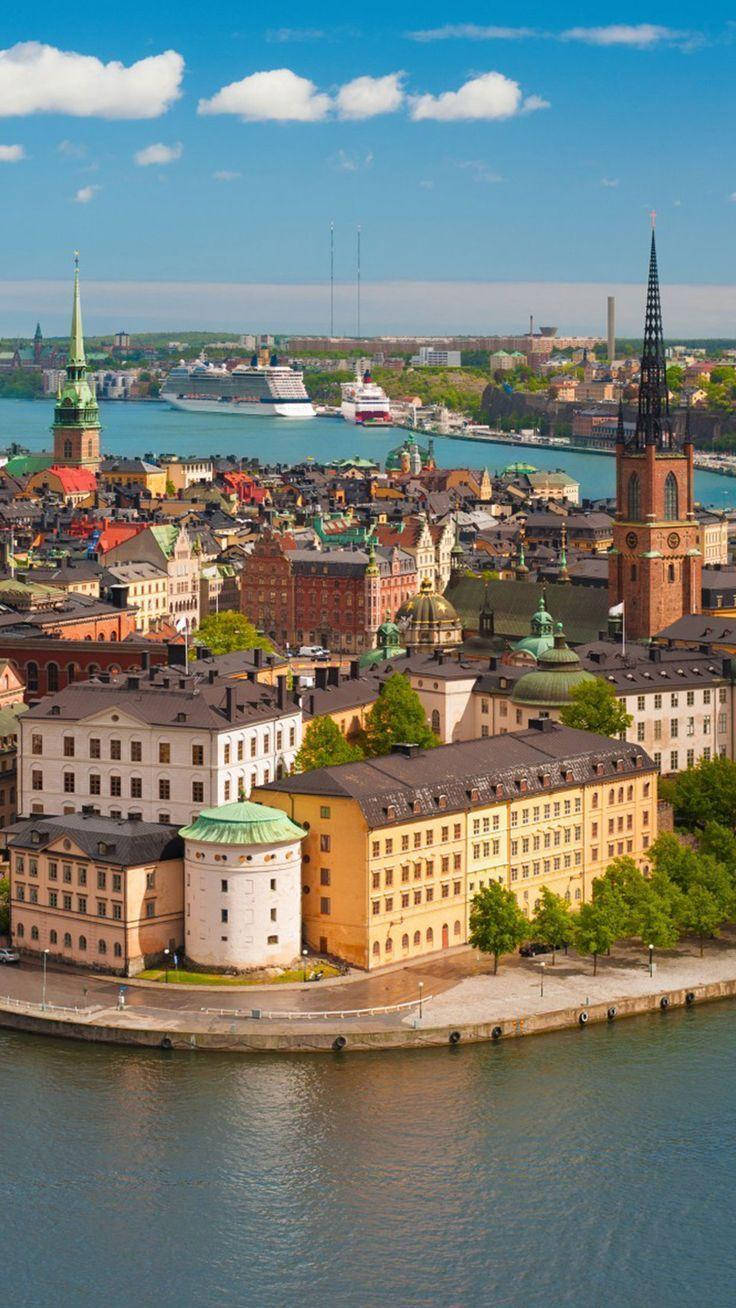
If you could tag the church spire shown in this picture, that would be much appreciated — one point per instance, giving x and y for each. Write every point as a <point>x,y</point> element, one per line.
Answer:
<point>76,357</point>
<point>653,423</point>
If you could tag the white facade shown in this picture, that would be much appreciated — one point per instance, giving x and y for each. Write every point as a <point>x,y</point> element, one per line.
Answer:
<point>120,764</point>
<point>242,904</point>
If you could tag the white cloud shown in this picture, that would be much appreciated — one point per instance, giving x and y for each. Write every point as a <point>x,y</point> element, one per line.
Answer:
<point>351,163</point>
<point>37,78</point>
<point>472,32</point>
<point>85,194</point>
<point>611,182</point>
<point>279,95</point>
<point>365,97</point>
<point>480,170</point>
<point>639,35</point>
<point>225,175</point>
<point>534,102</point>
<point>732,197</point>
<point>158,154</point>
<point>71,149</point>
<point>286,34</point>
<point>12,153</point>
<point>488,96</point>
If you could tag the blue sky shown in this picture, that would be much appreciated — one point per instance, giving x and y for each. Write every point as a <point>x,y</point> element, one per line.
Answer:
<point>544,172</point>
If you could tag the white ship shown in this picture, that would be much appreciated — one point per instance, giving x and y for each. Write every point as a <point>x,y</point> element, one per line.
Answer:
<point>264,388</point>
<point>364,403</point>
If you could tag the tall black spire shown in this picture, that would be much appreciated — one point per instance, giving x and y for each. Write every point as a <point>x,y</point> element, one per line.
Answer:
<point>653,423</point>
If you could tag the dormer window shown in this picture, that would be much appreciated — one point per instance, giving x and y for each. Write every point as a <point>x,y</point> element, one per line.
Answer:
<point>391,811</point>
<point>55,710</point>
<point>474,795</point>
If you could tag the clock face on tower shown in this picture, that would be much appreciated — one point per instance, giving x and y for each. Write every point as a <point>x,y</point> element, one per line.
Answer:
<point>673,540</point>
<point>632,540</point>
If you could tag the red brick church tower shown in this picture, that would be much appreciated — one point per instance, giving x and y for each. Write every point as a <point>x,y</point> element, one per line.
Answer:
<point>655,564</point>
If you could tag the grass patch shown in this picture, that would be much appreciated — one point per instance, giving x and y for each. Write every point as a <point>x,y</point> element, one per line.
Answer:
<point>179,977</point>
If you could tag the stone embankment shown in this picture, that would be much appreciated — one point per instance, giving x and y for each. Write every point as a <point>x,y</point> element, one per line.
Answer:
<point>522,1000</point>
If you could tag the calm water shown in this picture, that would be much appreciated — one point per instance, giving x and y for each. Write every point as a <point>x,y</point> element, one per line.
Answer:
<point>587,1168</point>
<point>136,428</point>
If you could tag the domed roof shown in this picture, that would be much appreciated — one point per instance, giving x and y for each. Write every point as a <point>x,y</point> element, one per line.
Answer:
<point>428,608</point>
<point>388,645</point>
<point>557,673</point>
<point>243,823</point>
<point>541,636</point>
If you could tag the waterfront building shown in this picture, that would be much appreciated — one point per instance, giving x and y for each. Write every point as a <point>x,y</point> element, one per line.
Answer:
<point>398,846</point>
<point>96,891</point>
<point>242,887</point>
<point>76,426</point>
<point>159,747</point>
<point>655,561</point>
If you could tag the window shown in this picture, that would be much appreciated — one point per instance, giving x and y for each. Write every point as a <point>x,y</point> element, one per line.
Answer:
<point>224,914</point>
<point>102,908</point>
<point>150,908</point>
<point>226,753</point>
<point>36,779</point>
<point>115,786</point>
<point>67,940</point>
<point>81,902</point>
<point>325,811</point>
<point>82,943</point>
<point>136,751</point>
<point>69,783</point>
<point>102,947</point>
<point>53,871</point>
<point>673,760</point>
<point>117,882</point>
<point>198,792</point>
<point>115,749</point>
<point>37,744</point>
<point>634,498</point>
<point>68,747</point>
<point>640,731</point>
<point>101,879</point>
<point>640,703</point>
<point>324,843</point>
<point>670,496</point>
<point>164,752</point>
<point>436,721</point>
<point>94,747</point>
<point>164,788</point>
<point>136,788</point>
<point>324,906</point>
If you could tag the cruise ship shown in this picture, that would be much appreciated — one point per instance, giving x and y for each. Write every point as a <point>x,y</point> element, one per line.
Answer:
<point>264,388</point>
<point>364,403</point>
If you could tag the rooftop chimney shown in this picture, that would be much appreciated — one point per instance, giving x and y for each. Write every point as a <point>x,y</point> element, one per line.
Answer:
<point>320,678</point>
<point>145,660</point>
<point>134,683</point>
<point>258,657</point>
<point>354,669</point>
<point>212,675</point>
<point>541,724</point>
<point>229,703</point>
<point>407,750</point>
<point>281,692</point>
<point>333,676</point>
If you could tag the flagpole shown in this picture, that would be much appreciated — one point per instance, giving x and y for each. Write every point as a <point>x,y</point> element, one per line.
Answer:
<point>623,628</point>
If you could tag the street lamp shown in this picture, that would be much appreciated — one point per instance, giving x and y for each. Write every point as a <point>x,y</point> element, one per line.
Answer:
<point>421,995</point>
<point>541,980</point>
<point>43,998</point>
<point>304,964</point>
<point>651,956</point>
<point>166,967</point>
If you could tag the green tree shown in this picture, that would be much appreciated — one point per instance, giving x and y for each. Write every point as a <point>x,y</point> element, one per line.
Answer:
<point>620,890</point>
<point>553,924</point>
<point>4,906</point>
<point>655,924</point>
<point>228,631</point>
<point>594,706</point>
<point>704,793</point>
<point>497,924</point>
<point>701,913</point>
<point>720,841</point>
<point>323,746</point>
<point>397,717</point>
<point>595,930</point>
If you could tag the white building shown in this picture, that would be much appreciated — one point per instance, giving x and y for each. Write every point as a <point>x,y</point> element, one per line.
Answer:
<point>242,887</point>
<point>429,356</point>
<point>183,473</point>
<point>160,746</point>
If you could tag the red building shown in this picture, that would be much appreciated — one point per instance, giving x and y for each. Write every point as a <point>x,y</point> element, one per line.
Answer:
<point>48,664</point>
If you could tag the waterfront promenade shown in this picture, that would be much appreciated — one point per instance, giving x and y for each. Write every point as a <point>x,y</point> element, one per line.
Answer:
<point>461,1000</point>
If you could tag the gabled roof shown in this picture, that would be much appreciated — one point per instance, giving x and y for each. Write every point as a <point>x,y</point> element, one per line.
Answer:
<point>120,841</point>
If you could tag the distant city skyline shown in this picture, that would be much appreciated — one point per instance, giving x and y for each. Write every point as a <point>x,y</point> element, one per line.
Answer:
<point>187,151</point>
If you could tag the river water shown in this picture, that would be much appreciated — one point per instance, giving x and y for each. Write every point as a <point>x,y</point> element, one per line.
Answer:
<point>587,1168</point>
<point>135,429</point>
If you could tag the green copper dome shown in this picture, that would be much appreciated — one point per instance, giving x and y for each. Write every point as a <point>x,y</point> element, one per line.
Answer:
<point>243,823</point>
<point>541,637</point>
<point>557,673</point>
<point>388,645</point>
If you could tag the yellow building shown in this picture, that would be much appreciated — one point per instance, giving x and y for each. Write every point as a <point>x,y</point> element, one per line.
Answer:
<point>143,587</point>
<point>398,846</point>
<point>134,475</point>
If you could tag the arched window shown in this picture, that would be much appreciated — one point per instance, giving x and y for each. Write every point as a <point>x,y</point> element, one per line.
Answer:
<point>634,498</point>
<point>31,676</point>
<point>83,943</point>
<point>53,937</point>
<point>52,677</point>
<point>118,950</point>
<point>457,929</point>
<point>670,496</point>
<point>404,942</point>
<point>71,672</point>
<point>436,721</point>
<point>67,940</point>
<point>389,945</point>
<point>376,949</point>
<point>102,947</point>
<point>430,935</point>
<point>67,449</point>
<point>20,931</point>
<point>417,938</point>
<point>34,933</point>
<point>671,572</point>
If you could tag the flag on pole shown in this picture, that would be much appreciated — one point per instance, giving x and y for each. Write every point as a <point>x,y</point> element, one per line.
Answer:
<point>616,611</point>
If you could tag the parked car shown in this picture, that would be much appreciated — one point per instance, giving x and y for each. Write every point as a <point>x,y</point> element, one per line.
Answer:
<point>533,948</point>
<point>313,652</point>
<point>9,956</point>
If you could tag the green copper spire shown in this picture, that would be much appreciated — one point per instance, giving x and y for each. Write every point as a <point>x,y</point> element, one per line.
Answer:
<point>76,357</point>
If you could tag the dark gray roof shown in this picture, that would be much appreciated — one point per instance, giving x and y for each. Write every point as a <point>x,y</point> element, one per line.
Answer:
<point>582,610</point>
<point>126,843</point>
<point>472,773</point>
<point>637,671</point>
<point>701,629</point>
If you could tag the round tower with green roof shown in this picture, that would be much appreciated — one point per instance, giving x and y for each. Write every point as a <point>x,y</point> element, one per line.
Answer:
<point>542,633</point>
<point>549,685</point>
<point>242,886</point>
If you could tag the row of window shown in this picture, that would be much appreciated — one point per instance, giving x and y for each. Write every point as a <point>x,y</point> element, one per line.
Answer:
<point>418,840</point>
<point>66,873</point>
<point>69,748</point>
<point>547,839</point>
<point>65,902</point>
<point>690,757</point>
<point>541,866</point>
<point>689,724</point>
<point>457,931</point>
<point>641,700</point>
<point>420,895</point>
<point>117,948</point>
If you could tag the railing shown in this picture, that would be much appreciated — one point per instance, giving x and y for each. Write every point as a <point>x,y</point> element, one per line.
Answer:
<point>292,1016</point>
<point>12,1002</point>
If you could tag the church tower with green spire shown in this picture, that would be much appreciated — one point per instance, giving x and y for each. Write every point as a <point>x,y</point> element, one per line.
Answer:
<point>76,415</point>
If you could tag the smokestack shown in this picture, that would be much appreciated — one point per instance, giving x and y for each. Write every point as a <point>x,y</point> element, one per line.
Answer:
<point>281,692</point>
<point>611,328</point>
